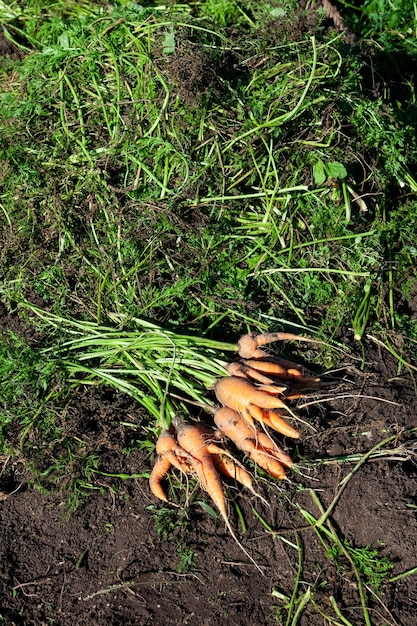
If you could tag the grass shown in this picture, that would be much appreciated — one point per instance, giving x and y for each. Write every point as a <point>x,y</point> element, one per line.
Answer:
<point>171,178</point>
<point>368,568</point>
<point>172,525</point>
<point>123,125</point>
<point>371,570</point>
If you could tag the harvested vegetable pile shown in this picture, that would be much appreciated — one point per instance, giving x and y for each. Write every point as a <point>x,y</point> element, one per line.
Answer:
<point>258,388</point>
<point>167,372</point>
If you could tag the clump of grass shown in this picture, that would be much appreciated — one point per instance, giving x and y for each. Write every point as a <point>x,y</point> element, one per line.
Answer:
<point>33,395</point>
<point>29,386</point>
<point>233,185</point>
<point>171,525</point>
<point>168,522</point>
<point>392,24</point>
<point>368,567</point>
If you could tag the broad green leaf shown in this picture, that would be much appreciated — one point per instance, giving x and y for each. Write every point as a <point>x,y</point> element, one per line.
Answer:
<point>335,170</point>
<point>319,174</point>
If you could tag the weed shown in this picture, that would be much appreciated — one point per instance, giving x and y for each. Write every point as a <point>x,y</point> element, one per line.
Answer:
<point>376,569</point>
<point>393,24</point>
<point>187,558</point>
<point>168,522</point>
<point>171,525</point>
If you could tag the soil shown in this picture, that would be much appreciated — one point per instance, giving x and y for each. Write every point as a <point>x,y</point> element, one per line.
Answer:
<point>107,564</point>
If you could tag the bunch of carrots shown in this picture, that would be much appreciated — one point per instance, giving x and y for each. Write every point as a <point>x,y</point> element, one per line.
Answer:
<point>253,399</point>
<point>163,370</point>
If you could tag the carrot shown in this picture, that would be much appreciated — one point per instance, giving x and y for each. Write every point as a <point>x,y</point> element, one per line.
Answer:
<point>248,345</point>
<point>227,465</point>
<point>268,366</point>
<point>237,390</point>
<point>192,438</point>
<point>229,468</point>
<point>269,463</point>
<point>241,396</point>
<point>257,445</point>
<point>168,447</point>
<point>279,360</point>
<point>274,368</point>
<point>159,470</point>
<point>169,454</point>
<point>271,448</point>
<point>274,390</point>
<point>255,370</point>
<point>243,371</point>
<point>265,458</point>
<point>278,423</point>
<point>223,460</point>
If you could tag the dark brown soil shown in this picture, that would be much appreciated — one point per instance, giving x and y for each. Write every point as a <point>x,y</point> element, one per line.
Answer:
<point>106,564</point>
<point>7,48</point>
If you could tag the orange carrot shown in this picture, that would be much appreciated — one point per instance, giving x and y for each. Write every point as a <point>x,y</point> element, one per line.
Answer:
<point>242,371</point>
<point>271,448</point>
<point>274,368</point>
<point>248,345</point>
<point>278,423</point>
<point>168,447</point>
<point>192,438</point>
<point>268,366</point>
<point>270,418</point>
<point>269,463</point>
<point>159,470</point>
<point>274,390</point>
<point>245,437</point>
<point>255,370</point>
<point>273,358</point>
<point>229,468</point>
<point>241,396</point>
<point>237,390</point>
<point>256,444</point>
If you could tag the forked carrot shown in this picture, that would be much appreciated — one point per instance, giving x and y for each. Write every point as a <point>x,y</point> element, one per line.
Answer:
<point>274,420</point>
<point>229,468</point>
<point>269,463</point>
<point>238,390</point>
<point>168,447</point>
<point>256,444</point>
<point>241,396</point>
<point>243,371</point>
<point>193,439</point>
<point>226,466</point>
<point>271,448</point>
